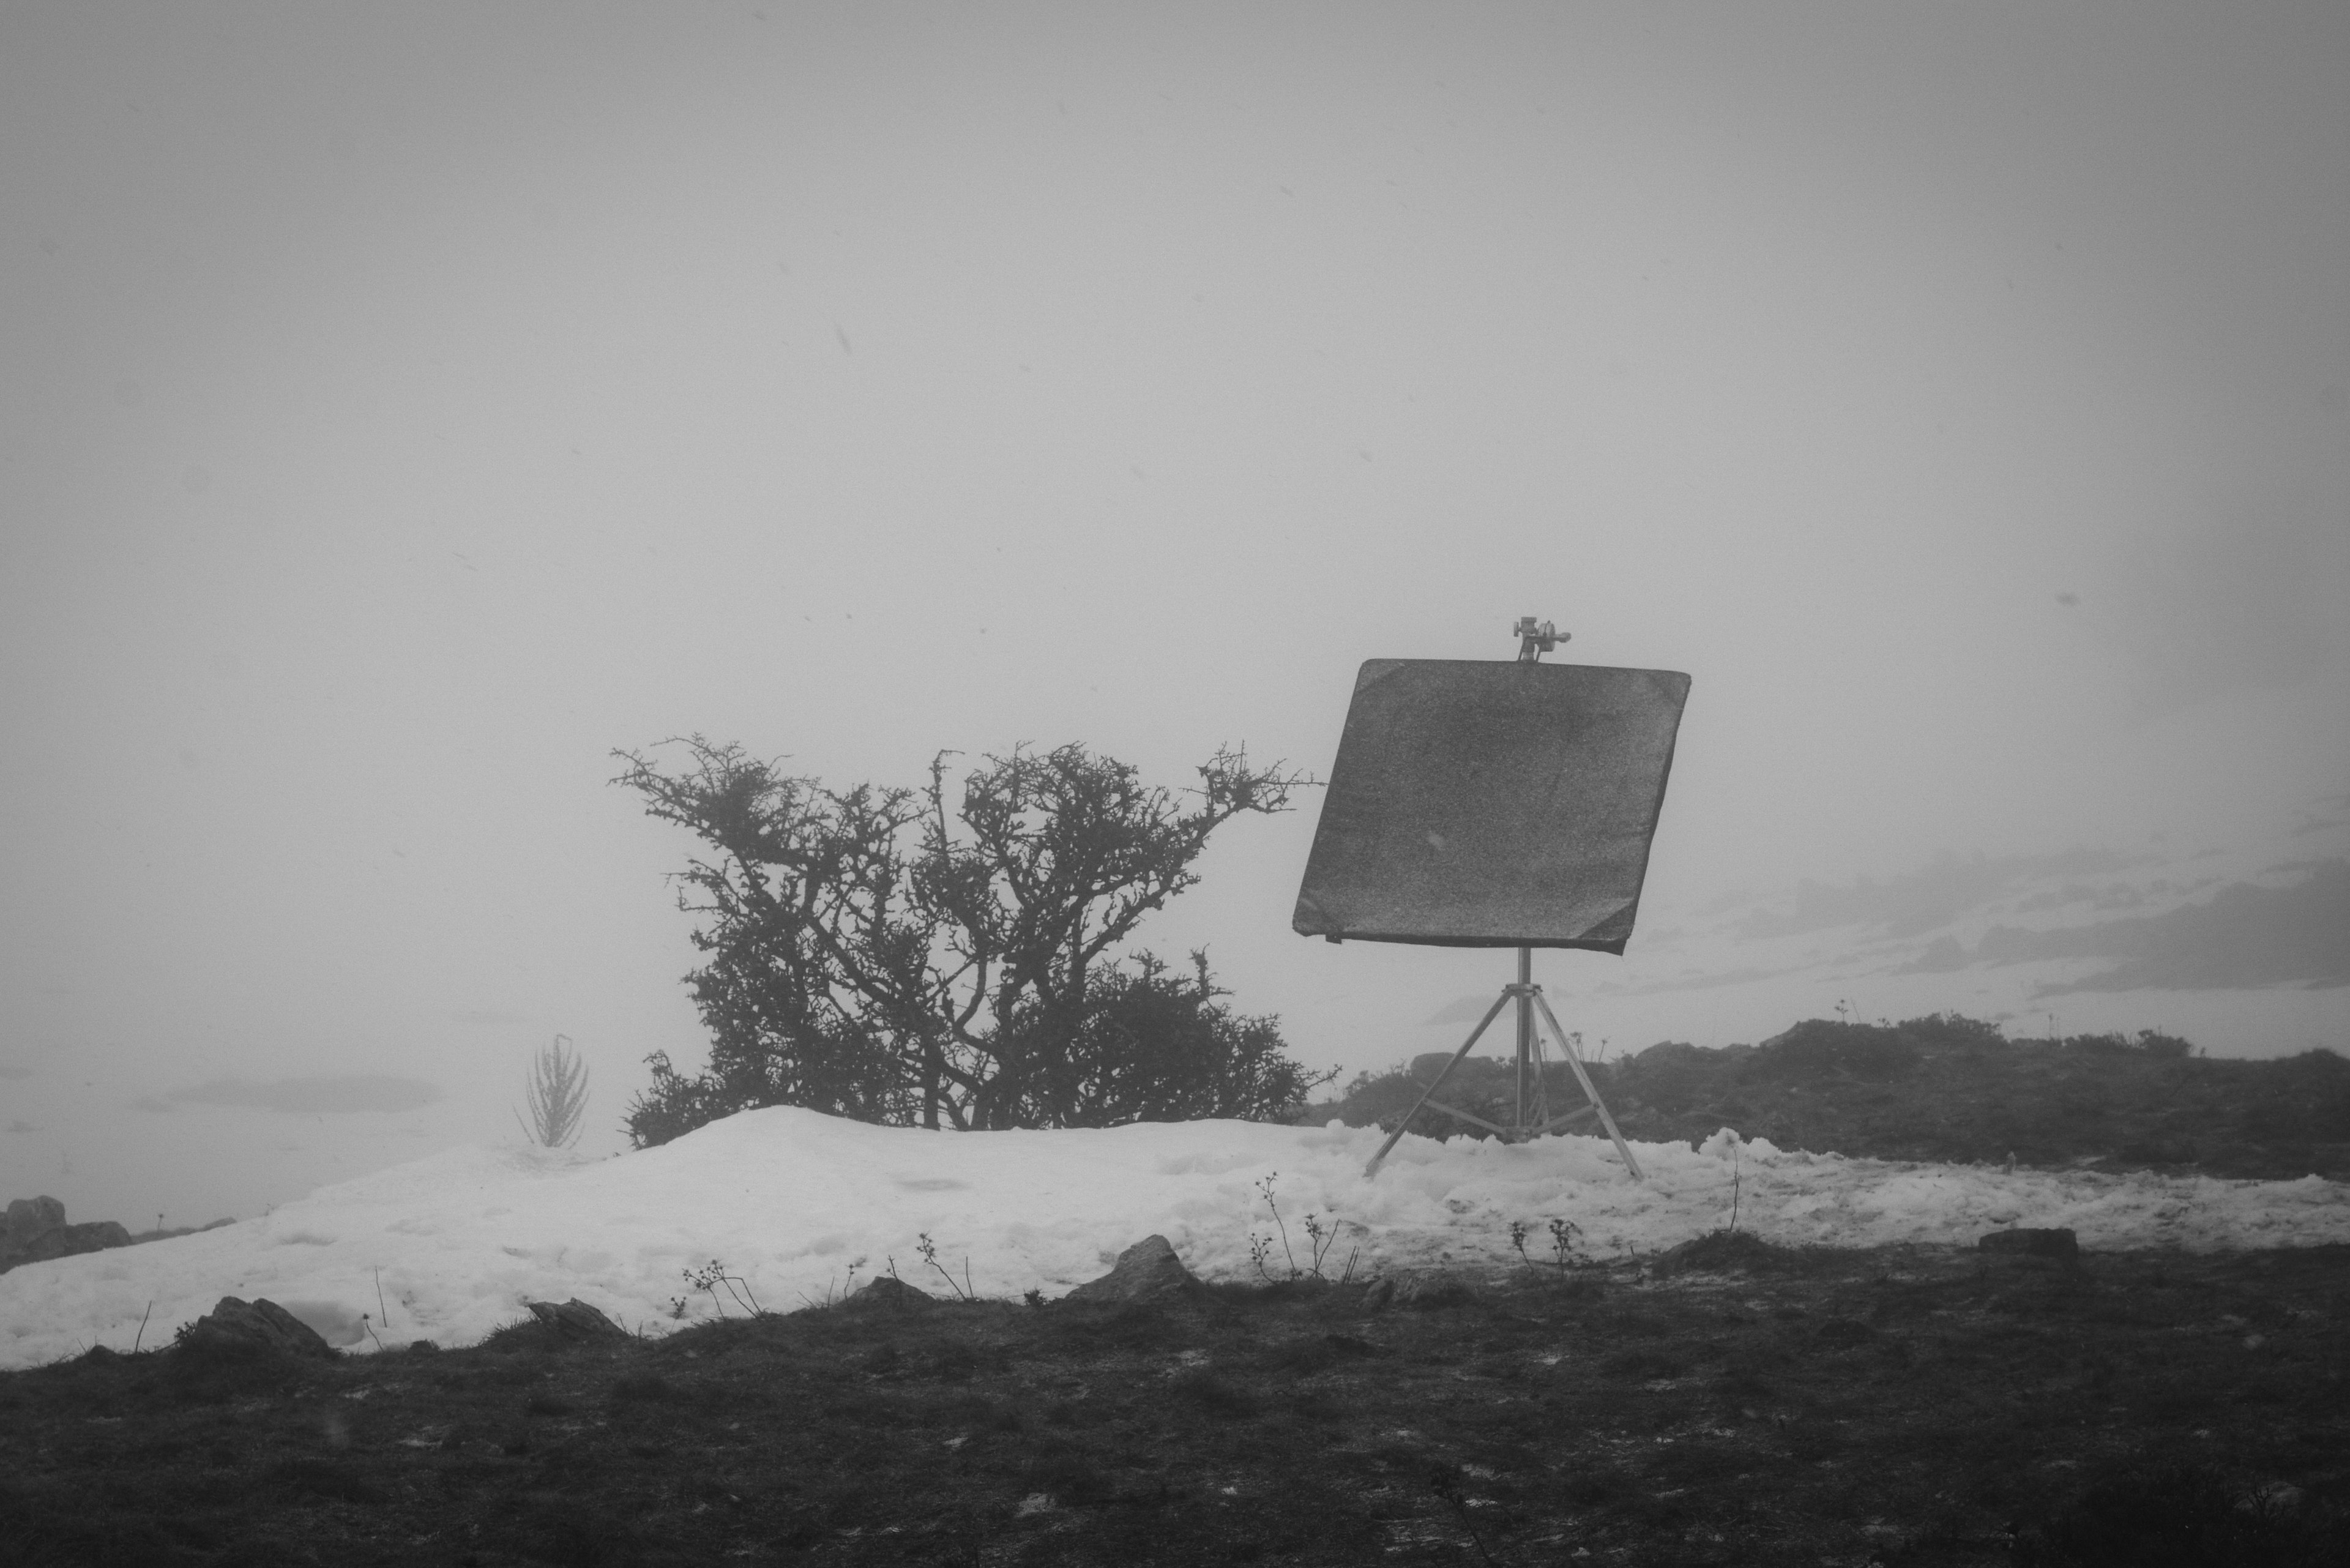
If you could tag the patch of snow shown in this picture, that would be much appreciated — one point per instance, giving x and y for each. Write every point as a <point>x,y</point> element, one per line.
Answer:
<point>789,1198</point>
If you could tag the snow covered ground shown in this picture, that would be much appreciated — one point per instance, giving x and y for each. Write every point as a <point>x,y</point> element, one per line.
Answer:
<point>800,1205</point>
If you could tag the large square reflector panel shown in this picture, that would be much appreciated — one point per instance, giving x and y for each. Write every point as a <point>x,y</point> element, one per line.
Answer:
<point>1481,804</point>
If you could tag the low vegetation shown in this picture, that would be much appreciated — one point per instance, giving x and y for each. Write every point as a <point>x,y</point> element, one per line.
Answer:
<point>556,1092</point>
<point>1942,1088</point>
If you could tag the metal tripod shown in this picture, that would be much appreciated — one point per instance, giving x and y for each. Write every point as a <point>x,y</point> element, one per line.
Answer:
<point>1532,1119</point>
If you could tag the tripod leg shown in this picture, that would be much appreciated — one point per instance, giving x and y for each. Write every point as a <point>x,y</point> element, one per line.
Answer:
<point>1584,1078</point>
<point>1526,1029</point>
<point>1474,1034</point>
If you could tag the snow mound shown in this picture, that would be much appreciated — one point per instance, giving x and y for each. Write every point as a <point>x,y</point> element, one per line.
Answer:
<point>801,1206</point>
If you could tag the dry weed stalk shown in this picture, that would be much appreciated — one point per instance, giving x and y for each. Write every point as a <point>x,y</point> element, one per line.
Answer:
<point>558,1091</point>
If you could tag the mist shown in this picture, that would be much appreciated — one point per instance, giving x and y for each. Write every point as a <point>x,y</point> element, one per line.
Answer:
<point>405,409</point>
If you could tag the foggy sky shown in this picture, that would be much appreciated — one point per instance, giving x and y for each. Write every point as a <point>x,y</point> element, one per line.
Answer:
<point>405,407</point>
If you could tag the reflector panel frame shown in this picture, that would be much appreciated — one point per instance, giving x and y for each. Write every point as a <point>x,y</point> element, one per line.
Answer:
<point>1475,802</point>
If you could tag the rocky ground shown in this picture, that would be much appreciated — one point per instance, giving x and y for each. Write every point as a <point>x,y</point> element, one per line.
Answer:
<point>1724,1402</point>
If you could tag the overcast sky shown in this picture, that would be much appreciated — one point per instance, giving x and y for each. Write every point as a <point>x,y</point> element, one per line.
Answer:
<point>402,407</point>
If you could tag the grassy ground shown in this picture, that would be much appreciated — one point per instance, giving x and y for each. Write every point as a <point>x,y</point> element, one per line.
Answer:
<point>1939,1089</point>
<point>1724,1403</point>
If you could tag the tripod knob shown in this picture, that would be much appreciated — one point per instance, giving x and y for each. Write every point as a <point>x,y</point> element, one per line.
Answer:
<point>1536,639</point>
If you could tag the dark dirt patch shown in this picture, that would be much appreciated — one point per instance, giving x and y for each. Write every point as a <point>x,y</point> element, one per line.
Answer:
<point>1904,1406</point>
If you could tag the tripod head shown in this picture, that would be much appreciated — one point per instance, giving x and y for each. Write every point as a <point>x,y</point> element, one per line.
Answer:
<point>1533,641</point>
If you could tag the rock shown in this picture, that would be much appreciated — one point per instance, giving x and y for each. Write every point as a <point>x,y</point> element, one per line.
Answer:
<point>1843,1334</point>
<point>37,1231</point>
<point>887,1293</point>
<point>71,1240</point>
<point>1147,1271</point>
<point>575,1321</point>
<point>1436,1289</point>
<point>1719,1253</point>
<point>1417,1288</point>
<point>2059,1245</point>
<point>27,1218</point>
<point>2273,1499</point>
<point>237,1327</point>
